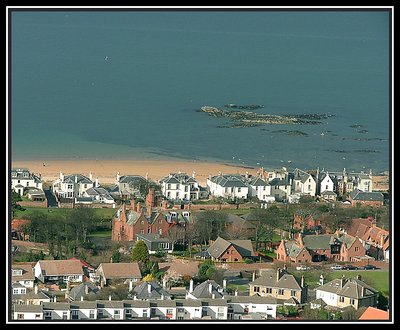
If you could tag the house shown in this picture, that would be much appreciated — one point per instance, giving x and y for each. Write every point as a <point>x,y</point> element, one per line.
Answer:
<point>290,251</point>
<point>136,309</point>
<point>241,306</point>
<point>352,248</point>
<point>374,241</point>
<point>35,194</point>
<point>344,292</point>
<point>155,243</point>
<point>145,220</point>
<point>180,186</point>
<point>59,270</point>
<point>364,182</point>
<point>109,309</point>
<point>80,291</point>
<point>232,186</point>
<point>22,179</point>
<point>22,273</point>
<point>178,268</point>
<point>273,174</point>
<point>18,289</point>
<point>302,182</point>
<point>279,284</point>
<point>88,269</point>
<point>99,195</point>
<point>327,183</point>
<point>35,297</point>
<point>373,314</point>
<point>19,229</point>
<point>261,189</point>
<point>124,271</point>
<point>72,185</point>
<point>206,289</point>
<point>359,226</point>
<point>329,196</point>
<point>56,311</point>
<point>232,250</point>
<point>358,197</point>
<point>27,312</point>
<point>237,227</point>
<point>177,309</point>
<point>83,310</point>
<point>307,223</point>
<point>150,290</point>
<point>280,188</point>
<point>131,186</point>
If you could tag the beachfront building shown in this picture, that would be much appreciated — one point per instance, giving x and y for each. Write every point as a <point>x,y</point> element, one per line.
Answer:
<point>302,182</point>
<point>131,186</point>
<point>327,183</point>
<point>99,195</point>
<point>232,186</point>
<point>280,189</point>
<point>22,180</point>
<point>261,189</point>
<point>180,186</point>
<point>72,185</point>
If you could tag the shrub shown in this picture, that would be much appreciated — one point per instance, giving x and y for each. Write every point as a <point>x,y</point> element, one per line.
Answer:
<point>248,261</point>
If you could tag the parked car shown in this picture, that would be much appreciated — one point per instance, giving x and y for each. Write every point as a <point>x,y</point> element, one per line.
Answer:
<point>369,267</point>
<point>336,267</point>
<point>302,267</point>
<point>349,267</point>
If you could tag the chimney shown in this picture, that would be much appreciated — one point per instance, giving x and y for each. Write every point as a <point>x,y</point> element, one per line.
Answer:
<point>55,298</point>
<point>358,277</point>
<point>96,183</point>
<point>321,280</point>
<point>285,267</point>
<point>133,206</point>
<point>210,288</point>
<point>81,298</point>
<point>86,289</point>
<point>61,176</point>
<point>130,286</point>
<point>254,275</point>
<point>117,176</point>
<point>162,296</point>
<point>193,174</point>
<point>247,175</point>
<point>213,296</point>
<point>150,201</point>
<point>90,176</point>
<point>139,207</point>
<point>36,289</point>
<point>109,297</point>
<point>76,178</point>
<point>224,284</point>
<point>191,286</point>
<point>342,281</point>
<point>164,283</point>
<point>148,287</point>
<point>278,274</point>
<point>362,291</point>
<point>236,293</point>
<point>302,281</point>
<point>301,242</point>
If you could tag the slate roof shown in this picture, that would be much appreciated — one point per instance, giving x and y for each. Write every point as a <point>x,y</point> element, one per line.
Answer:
<point>28,308</point>
<point>182,178</point>
<point>136,303</point>
<point>79,291</point>
<point>258,182</point>
<point>347,240</point>
<point>328,193</point>
<point>229,180</point>
<point>99,191</point>
<point>142,292</point>
<point>57,306</point>
<point>239,222</point>
<point>121,270</point>
<point>352,288</point>
<point>153,238</point>
<point>83,305</point>
<point>203,291</point>
<point>292,249</point>
<point>135,179</point>
<point>244,247</point>
<point>317,242</point>
<point>61,267</point>
<point>70,178</point>
<point>359,195</point>
<point>110,304</point>
<point>279,182</point>
<point>269,279</point>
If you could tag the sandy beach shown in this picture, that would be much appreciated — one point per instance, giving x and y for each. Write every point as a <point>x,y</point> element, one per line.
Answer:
<point>106,170</point>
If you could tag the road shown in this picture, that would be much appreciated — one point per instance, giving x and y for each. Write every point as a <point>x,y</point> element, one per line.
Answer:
<point>51,200</point>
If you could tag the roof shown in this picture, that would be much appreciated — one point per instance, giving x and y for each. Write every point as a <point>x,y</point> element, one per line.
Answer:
<point>258,182</point>
<point>203,290</point>
<point>59,306</point>
<point>182,178</point>
<point>229,180</point>
<point>253,299</point>
<point>142,291</point>
<point>279,182</point>
<point>79,291</point>
<point>351,288</point>
<point>60,267</point>
<point>110,304</point>
<point>319,302</point>
<point>40,295</point>
<point>84,263</point>
<point>359,195</point>
<point>135,179</point>
<point>83,305</point>
<point>239,221</point>
<point>121,270</point>
<point>292,248</point>
<point>28,308</point>
<point>328,193</point>
<point>180,267</point>
<point>269,279</point>
<point>244,247</point>
<point>317,242</point>
<point>347,240</point>
<point>27,272</point>
<point>70,178</point>
<point>372,313</point>
<point>359,227</point>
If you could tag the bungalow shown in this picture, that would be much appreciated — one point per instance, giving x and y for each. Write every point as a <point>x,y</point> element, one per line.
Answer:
<point>59,270</point>
<point>240,306</point>
<point>237,227</point>
<point>279,284</point>
<point>36,194</point>
<point>23,179</point>
<point>344,292</point>
<point>22,273</point>
<point>124,271</point>
<point>232,186</point>
<point>231,251</point>
<point>99,195</point>
<point>358,197</point>
<point>155,243</point>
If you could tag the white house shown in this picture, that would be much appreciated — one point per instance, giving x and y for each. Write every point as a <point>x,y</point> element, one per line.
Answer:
<point>180,186</point>
<point>110,309</point>
<point>327,184</point>
<point>99,195</point>
<point>18,289</point>
<point>28,312</point>
<point>130,185</point>
<point>72,185</point>
<point>303,182</point>
<point>136,309</point>
<point>364,182</point>
<point>216,309</point>
<point>242,305</point>
<point>281,189</point>
<point>83,310</point>
<point>22,179</point>
<point>23,274</point>
<point>56,311</point>
<point>123,270</point>
<point>228,186</point>
<point>261,189</point>
<point>56,270</point>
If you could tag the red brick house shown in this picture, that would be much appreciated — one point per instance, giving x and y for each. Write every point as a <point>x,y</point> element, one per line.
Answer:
<point>358,197</point>
<point>145,220</point>
<point>290,251</point>
<point>306,224</point>
<point>352,248</point>
<point>230,251</point>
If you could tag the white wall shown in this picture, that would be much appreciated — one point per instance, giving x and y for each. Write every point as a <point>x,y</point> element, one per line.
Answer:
<point>28,316</point>
<point>326,184</point>
<point>330,299</point>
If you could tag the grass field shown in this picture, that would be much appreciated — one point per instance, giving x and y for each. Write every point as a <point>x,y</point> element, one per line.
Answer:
<point>61,212</point>
<point>103,233</point>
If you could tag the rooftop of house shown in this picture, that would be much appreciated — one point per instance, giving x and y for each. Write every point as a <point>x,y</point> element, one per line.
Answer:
<point>152,238</point>
<point>181,178</point>
<point>372,313</point>
<point>359,226</point>
<point>156,291</point>
<point>121,270</point>
<point>359,195</point>
<point>220,245</point>
<point>82,289</point>
<point>319,242</point>
<point>60,267</point>
<point>256,181</point>
<point>203,290</point>
<point>279,182</point>
<point>76,178</point>
<point>27,272</point>
<point>237,221</point>
<point>132,179</point>
<point>271,279</point>
<point>351,288</point>
<point>229,180</point>
<point>180,267</point>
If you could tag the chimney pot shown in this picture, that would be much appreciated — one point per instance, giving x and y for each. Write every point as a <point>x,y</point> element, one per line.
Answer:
<point>148,287</point>
<point>224,284</point>
<point>36,289</point>
<point>278,274</point>
<point>191,286</point>
<point>210,288</point>
<point>109,297</point>
<point>254,275</point>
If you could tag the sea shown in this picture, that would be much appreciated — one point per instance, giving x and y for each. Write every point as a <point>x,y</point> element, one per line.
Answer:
<point>130,85</point>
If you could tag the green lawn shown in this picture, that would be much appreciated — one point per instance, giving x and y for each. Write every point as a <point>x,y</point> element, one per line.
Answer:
<point>61,212</point>
<point>239,287</point>
<point>102,233</point>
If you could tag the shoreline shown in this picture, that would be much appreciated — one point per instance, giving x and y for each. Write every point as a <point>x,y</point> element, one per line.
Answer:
<point>106,170</point>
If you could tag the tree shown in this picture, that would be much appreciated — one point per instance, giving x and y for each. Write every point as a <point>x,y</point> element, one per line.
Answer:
<point>149,278</point>
<point>116,256</point>
<point>140,252</point>
<point>267,221</point>
<point>210,224</point>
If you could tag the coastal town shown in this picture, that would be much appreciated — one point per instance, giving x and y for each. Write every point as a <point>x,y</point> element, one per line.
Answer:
<point>256,244</point>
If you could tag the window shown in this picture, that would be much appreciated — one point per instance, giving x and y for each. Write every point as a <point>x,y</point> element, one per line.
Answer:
<point>169,186</point>
<point>144,312</point>
<point>356,248</point>
<point>256,289</point>
<point>19,181</point>
<point>26,282</point>
<point>239,189</point>
<point>227,252</point>
<point>293,293</point>
<point>186,188</point>
<point>15,291</point>
<point>20,316</point>
<point>180,318</point>
<point>177,186</point>
<point>91,314</point>
<point>160,231</point>
<point>326,187</point>
<point>281,291</point>
<point>116,314</point>
<point>309,187</point>
<point>74,314</point>
<point>27,183</point>
<point>186,196</point>
<point>309,180</point>
<point>168,194</point>
<point>69,186</point>
<point>142,231</point>
<point>85,185</point>
<point>65,316</point>
<point>37,316</point>
<point>269,290</point>
<point>352,301</point>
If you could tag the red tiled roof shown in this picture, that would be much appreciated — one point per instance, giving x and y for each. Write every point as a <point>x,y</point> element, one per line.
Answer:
<point>61,267</point>
<point>84,263</point>
<point>372,313</point>
<point>16,224</point>
<point>121,270</point>
<point>359,226</point>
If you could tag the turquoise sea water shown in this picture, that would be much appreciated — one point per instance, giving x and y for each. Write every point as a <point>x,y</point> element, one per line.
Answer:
<point>120,85</point>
